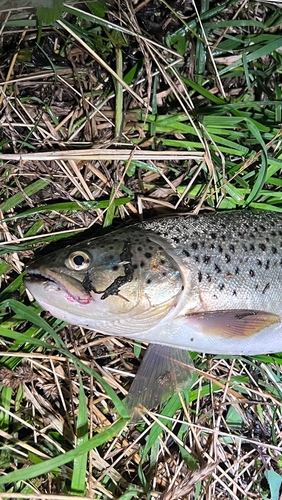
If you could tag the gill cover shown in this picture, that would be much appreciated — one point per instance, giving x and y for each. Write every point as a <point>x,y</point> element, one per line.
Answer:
<point>119,284</point>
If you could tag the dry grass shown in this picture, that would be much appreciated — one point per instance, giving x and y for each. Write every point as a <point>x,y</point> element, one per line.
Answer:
<point>151,109</point>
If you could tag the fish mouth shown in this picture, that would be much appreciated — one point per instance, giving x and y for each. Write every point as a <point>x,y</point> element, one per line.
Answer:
<point>71,286</point>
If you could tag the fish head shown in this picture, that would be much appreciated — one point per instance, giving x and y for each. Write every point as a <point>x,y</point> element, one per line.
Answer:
<point>120,282</point>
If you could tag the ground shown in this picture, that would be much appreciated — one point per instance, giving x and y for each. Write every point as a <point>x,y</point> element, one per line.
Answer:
<point>113,113</point>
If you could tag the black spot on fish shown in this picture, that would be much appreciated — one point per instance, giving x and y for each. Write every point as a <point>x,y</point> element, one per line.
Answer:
<point>222,225</point>
<point>266,288</point>
<point>245,248</point>
<point>176,240</point>
<point>267,239</point>
<point>194,246</point>
<point>115,268</point>
<point>213,236</point>
<point>219,249</point>
<point>256,287</point>
<point>182,288</point>
<point>209,278</point>
<point>246,314</point>
<point>241,235</point>
<point>212,246</point>
<point>206,259</point>
<point>111,257</point>
<point>280,233</point>
<point>160,248</point>
<point>227,258</point>
<point>267,265</point>
<point>142,264</point>
<point>262,247</point>
<point>196,258</point>
<point>217,269</point>
<point>234,292</point>
<point>200,276</point>
<point>231,248</point>
<point>192,340</point>
<point>251,273</point>
<point>203,244</point>
<point>273,233</point>
<point>236,270</point>
<point>223,237</point>
<point>221,286</point>
<point>274,250</point>
<point>252,247</point>
<point>187,254</point>
<point>259,262</point>
<point>148,281</point>
<point>135,266</point>
<point>151,247</point>
<point>262,227</point>
<point>162,261</point>
<point>164,273</point>
<point>148,255</point>
<point>111,247</point>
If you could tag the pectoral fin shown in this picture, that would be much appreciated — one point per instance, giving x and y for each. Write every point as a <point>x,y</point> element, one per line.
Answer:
<point>231,323</point>
<point>163,371</point>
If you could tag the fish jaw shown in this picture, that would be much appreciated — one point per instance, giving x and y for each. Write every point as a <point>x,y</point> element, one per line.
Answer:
<point>62,314</point>
<point>65,299</point>
<point>43,282</point>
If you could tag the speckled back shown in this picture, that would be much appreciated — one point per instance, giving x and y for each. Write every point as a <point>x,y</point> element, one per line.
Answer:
<point>237,256</point>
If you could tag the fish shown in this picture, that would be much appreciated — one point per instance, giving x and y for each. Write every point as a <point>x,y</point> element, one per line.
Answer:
<point>207,283</point>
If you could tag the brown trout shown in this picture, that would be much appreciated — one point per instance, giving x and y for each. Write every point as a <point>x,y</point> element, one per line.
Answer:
<point>209,283</point>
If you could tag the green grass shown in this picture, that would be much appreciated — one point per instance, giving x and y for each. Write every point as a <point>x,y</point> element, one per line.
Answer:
<point>63,424</point>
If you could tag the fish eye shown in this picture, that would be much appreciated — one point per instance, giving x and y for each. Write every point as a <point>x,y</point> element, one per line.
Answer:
<point>78,261</point>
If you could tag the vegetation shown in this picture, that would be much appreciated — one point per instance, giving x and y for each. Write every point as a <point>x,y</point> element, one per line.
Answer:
<point>120,110</point>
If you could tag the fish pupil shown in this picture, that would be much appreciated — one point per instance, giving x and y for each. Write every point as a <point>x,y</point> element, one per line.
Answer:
<point>79,260</point>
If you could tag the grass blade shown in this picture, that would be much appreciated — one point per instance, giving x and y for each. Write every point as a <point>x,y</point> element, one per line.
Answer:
<point>19,197</point>
<point>69,206</point>
<point>45,467</point>
<point>26,313</point>
<point>80,462</point>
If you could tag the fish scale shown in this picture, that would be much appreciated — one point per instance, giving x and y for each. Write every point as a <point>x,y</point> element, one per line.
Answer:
<point>209,283</point>
<point>238,257</point>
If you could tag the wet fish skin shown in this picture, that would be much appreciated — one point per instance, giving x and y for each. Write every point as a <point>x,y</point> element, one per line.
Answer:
<point>131,281</point>
<point>238,256</point>
<point>208,283</point>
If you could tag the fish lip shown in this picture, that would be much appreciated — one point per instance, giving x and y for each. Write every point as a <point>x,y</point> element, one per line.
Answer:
<point>36,274</point>
<point>40,273</point>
